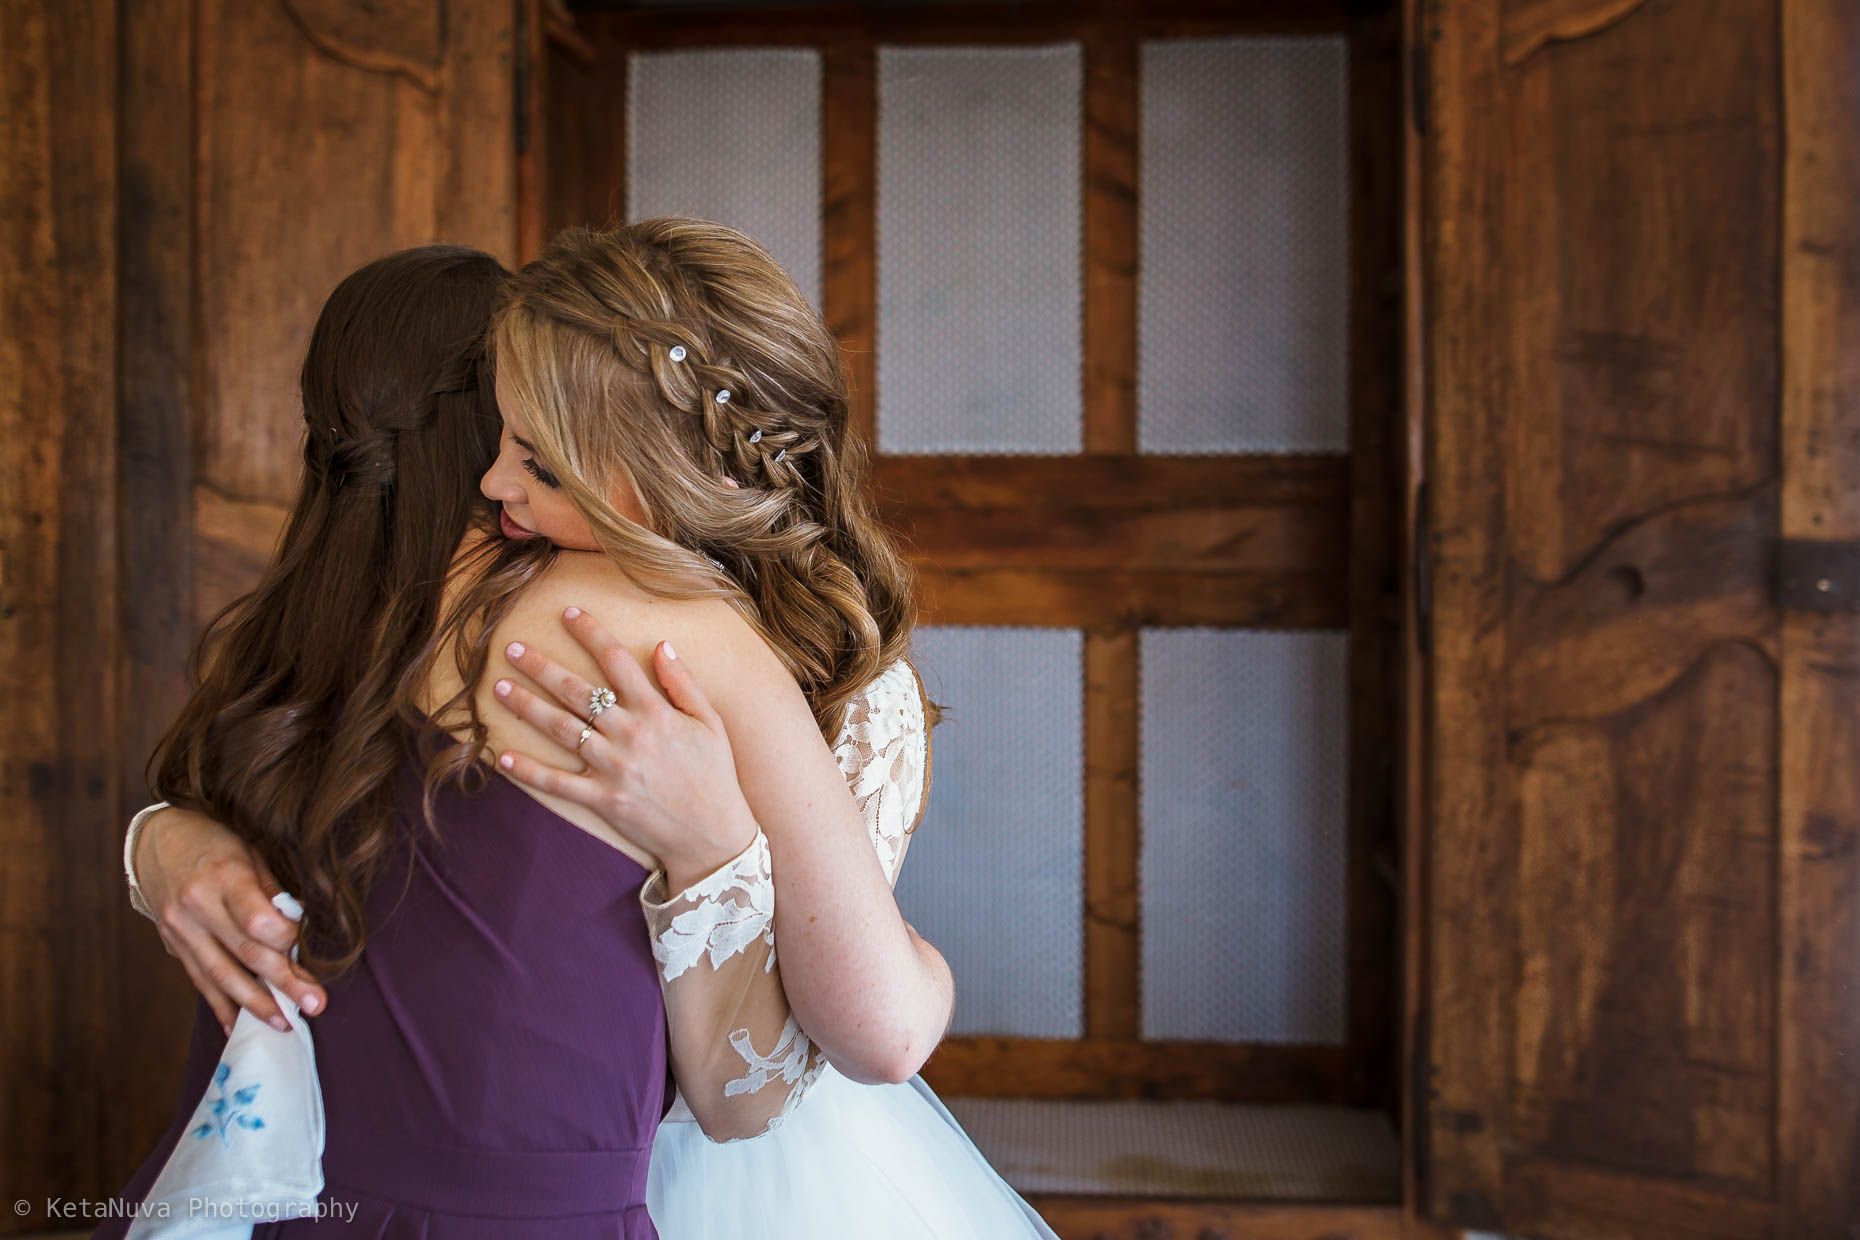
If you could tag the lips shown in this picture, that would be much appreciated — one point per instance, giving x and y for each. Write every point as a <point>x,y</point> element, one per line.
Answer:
<point>512,529</point>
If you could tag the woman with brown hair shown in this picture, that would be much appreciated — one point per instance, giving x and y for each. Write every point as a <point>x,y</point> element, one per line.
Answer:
<point>493,1058</point>
<point>619,356</point>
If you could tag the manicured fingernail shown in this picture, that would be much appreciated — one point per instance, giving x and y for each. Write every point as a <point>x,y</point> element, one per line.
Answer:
<point>571,613</point>
<point>669,652</point>
<point>501,688</point>
<point>227,1028</point>
<point>514,650</point>
<point>277,1022</point>
<point>506,762</point>
<point>309,1004</point>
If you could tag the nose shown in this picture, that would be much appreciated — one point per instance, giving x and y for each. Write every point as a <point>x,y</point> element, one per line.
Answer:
<point>500,483</point>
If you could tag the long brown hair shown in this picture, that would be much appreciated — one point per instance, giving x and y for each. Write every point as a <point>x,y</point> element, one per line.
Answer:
<point>673,354</point>
<point>295,731</point>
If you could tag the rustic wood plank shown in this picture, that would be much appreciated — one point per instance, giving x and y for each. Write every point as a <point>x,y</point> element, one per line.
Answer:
<point>473,200</point>
<point>534,53</point>
<point>1290,541</point>
<point>1112,964</point>
<point>1137,1218</point>
<point>1412,755</point>
<point>1097,480</point>
<point>355,161</point>
<point>1467,880</point>
<point>586,119</point>
<point>1601,471</point>
<point>1640,433</point>
<point>822,25</point>
<point>1096,598</point>
<point>1378,487</point>
<point>1819,1090</point>
<point>984,1067</point>
<point>60,642</point>
<point>1110,228</point>
<point>156,253</point>
<point>1595,1203</point>
<point>849,218</point>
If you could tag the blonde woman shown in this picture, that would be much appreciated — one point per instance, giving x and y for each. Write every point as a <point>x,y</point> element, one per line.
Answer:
<point>675,410</point>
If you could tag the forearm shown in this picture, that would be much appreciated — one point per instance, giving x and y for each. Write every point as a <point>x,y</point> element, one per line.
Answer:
<point>873,995</point>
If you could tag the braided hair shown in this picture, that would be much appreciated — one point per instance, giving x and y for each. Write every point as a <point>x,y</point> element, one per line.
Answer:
<point>676,356</point>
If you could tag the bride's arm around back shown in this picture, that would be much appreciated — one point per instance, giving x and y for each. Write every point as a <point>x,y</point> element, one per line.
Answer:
<point>872,994</point>
<point>869,993</point>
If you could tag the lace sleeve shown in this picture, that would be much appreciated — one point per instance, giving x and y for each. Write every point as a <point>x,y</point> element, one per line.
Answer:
<point>736,1047</point>
<point>715,940</point>
<point>884,752</point>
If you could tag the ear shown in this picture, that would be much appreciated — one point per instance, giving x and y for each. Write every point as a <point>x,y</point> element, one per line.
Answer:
<point>731,482</point>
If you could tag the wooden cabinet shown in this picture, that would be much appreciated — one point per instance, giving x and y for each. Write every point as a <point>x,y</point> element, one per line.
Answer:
<point>1591,542</point>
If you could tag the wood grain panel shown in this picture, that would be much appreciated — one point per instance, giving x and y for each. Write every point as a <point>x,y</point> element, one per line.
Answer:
<point>1130,1218</point>
<point>1593,1203</point>
<point>59,634</point>
<point>310,164</point>
<point>1113,1004</point>
<point>1647,1039</point>
<point>1601,876</point>
<point>156,254</point>
<point>1099,480</point>
<point>1099,599</point>
<point>1636,373</point>
<point>849,220</point>
<point>1462,1081</point>
<point>585,123</point>
<point>1110,229</point>
<point>983,1067</point>
<point>1819,719</point>
<point>1373,555</point>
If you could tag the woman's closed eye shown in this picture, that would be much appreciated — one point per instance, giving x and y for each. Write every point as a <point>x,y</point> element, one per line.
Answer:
<point>540,474</point>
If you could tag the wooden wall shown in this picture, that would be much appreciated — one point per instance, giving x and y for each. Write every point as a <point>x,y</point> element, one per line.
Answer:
<point>185,180</point>
<point>61,956</point>
<point>1640,1011</point>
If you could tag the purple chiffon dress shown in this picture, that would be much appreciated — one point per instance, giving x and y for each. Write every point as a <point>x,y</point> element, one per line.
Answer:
<point>495,1065</point>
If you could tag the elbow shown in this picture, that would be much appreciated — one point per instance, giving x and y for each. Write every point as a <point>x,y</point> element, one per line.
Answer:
<point>893,1061</point>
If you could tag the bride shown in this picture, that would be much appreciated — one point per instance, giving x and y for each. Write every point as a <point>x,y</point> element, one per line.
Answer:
<point>674,409</point>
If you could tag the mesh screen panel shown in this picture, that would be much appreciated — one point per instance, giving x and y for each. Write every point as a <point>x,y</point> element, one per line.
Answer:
<point>979,309</point>
<point>1244,858</point>
<point>731,135</point>
<point>995,873</point>
<point>1243,290</point>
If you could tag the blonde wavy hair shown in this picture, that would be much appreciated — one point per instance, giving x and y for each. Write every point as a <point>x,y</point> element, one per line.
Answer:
<point>586,344</point>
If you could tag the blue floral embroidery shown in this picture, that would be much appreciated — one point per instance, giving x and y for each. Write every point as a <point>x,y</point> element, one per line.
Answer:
<point>228,1111</point>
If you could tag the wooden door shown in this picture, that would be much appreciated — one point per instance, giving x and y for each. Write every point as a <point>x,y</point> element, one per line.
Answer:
<point>1638,1011</point>
<point>192,177</point>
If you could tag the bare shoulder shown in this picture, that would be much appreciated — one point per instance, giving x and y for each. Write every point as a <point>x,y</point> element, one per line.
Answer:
<point>723,650</point>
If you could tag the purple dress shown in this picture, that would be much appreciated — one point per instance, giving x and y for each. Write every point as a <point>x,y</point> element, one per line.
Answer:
<point>494,1065</point>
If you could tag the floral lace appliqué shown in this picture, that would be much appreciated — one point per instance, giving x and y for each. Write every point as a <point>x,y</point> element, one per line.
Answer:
<point>723,913</point>
<point>794,1061</point>
<point>881,751</point>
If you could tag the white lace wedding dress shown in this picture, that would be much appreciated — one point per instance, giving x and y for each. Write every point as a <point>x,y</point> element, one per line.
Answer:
<point>837,1160</point>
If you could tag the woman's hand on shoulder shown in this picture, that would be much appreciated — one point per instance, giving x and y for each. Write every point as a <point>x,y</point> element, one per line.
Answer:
<point>657,764</point>
<point>211,896</point>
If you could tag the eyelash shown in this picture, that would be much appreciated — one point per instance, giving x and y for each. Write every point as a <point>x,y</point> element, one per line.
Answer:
<point>540,474</point>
